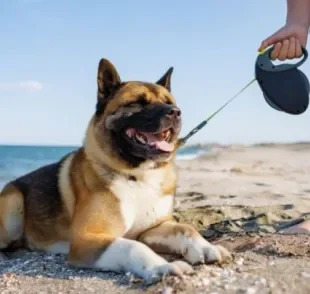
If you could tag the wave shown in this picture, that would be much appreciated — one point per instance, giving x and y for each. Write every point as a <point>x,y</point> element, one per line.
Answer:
<point>191,156</point>
<point>191,152</point>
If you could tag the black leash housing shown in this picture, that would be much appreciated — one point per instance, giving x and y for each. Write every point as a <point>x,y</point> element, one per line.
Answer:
<point>285,87</point>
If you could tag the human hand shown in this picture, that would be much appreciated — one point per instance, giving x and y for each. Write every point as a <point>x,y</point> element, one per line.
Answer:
<point>288,42</point>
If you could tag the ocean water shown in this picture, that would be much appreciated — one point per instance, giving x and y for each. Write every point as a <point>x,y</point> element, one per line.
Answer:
<point>18,160</point>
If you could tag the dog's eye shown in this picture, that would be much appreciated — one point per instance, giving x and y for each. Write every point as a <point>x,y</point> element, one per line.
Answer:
<point>133,105</point>
<point>139,102</point>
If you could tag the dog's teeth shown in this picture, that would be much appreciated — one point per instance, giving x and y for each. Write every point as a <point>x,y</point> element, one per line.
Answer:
<point>166,135</point>
<point>140,138</point>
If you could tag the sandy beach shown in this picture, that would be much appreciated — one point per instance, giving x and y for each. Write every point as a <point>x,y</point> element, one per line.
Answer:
<point>243,197</point>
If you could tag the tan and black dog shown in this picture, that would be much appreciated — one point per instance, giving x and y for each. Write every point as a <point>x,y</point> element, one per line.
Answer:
<point>109,204</point>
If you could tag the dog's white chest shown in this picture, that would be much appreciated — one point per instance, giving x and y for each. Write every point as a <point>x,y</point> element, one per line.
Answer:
<point>142,203</point>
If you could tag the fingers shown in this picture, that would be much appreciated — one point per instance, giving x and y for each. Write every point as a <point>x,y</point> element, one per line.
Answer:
<point>276,37</point>
<point>298,51</point>
<point>283,54</point>
<point>276,51</point>
<point>291,53</point>
<point>288,49</point>
<point>263,45</point>
<point>280,50</point>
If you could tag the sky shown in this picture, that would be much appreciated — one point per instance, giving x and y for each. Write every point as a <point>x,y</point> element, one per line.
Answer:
<point>50,51</point>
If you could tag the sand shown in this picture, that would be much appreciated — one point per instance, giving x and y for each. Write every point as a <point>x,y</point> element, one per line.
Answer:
<point>243,197</point>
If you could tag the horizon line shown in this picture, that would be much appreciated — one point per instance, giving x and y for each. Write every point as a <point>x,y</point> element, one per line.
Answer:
<point>189,144</point>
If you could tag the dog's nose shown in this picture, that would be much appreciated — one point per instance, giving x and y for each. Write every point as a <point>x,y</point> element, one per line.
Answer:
<point>174,112</point>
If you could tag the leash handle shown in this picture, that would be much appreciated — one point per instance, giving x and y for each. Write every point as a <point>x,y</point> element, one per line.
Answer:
<point>265,63</point>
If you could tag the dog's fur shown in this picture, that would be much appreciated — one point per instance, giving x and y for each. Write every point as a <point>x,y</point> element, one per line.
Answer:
<point>109,204</point>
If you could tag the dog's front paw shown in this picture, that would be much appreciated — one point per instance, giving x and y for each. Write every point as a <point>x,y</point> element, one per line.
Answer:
<point>200,250</point>
<point>176,268</point>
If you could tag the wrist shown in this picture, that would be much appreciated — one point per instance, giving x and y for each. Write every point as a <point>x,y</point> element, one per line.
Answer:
<point>298,13</point>
<point>302,24</point>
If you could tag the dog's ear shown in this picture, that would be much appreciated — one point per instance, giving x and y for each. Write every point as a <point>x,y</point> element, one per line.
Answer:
<point>107,79</point>
<point>165,80</point>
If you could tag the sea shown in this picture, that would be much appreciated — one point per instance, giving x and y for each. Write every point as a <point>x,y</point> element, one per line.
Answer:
<point>18,160</point>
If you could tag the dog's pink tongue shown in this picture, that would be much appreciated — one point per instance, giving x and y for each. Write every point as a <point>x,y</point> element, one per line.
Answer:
<point>160,144</point>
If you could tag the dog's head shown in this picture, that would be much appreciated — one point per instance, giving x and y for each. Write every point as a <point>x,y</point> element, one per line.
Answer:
<point>135,122</point>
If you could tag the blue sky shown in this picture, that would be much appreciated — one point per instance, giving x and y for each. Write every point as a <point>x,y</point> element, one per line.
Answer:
<point>50,50</point>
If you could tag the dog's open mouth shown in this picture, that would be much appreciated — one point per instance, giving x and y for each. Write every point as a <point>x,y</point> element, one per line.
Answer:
<point>160,140</point>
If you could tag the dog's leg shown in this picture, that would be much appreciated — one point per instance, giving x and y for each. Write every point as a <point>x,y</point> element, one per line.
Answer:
<point>122,255</point>
<point>11,215</point>
<point>97,242</point>
<point>183,239</point>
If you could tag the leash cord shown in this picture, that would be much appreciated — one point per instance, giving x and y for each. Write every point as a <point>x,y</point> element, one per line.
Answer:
<point>183,140</point>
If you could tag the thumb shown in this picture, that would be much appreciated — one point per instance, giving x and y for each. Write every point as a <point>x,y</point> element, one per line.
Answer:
<point>278,36</point>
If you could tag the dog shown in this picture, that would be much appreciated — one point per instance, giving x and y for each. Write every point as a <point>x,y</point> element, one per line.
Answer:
<point>108,205</point>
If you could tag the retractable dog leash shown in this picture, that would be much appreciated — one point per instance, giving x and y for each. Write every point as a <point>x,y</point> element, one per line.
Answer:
<point>285,88</point>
